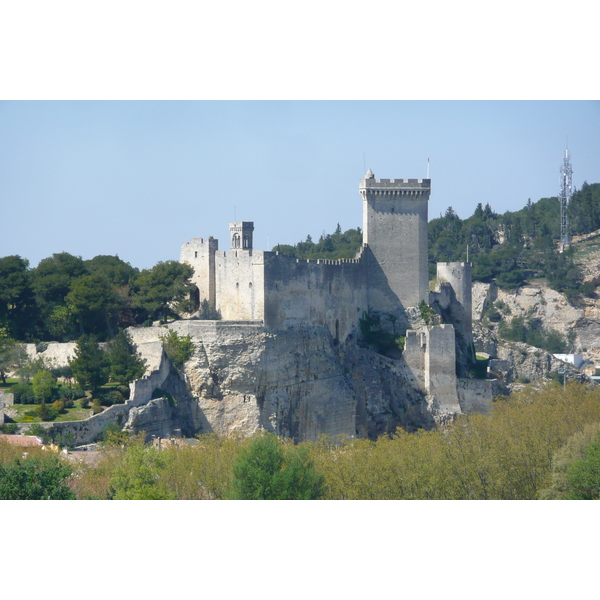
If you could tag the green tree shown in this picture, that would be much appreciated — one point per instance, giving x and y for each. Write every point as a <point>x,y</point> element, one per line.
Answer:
<point>158,291</point>
<point>12,354</point>
<point>44,385</point>
<point>18,310</point>
<point>137,475</point>
<point>35,479</point>
<point>51,282</point>
<point>90,366</point>
<point>117,271</point>
<point>178,348</point>
<point>125,363</point>
<point>96,302</point>
<point>583,476</point>
<point>265,472</point>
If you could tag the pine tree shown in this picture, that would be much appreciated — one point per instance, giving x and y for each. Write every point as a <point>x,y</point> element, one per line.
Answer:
<point>90,366</point>
<point>125,363</point>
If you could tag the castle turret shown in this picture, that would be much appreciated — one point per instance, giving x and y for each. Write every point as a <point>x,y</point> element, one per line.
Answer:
<point>395,231</point>
<point>241,235</point>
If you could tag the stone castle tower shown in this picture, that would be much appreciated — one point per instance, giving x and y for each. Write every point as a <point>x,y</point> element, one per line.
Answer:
<point>395,231</point>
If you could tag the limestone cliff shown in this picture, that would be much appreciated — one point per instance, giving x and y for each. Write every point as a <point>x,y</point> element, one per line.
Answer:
<point>297,383</point>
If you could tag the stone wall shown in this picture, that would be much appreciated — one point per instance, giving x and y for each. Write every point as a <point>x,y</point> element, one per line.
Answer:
<point>240,284</point>
<point>200,254</point>
<point>477,395</point>
<point>326,293</point>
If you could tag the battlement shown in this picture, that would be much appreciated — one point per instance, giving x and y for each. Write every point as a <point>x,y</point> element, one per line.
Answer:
<point>397,188</point>
<point>372,184</point>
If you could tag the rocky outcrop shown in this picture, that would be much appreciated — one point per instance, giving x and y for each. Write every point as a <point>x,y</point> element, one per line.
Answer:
<point>526,364</point>
<point>579,319</point>
<point>298,383</point>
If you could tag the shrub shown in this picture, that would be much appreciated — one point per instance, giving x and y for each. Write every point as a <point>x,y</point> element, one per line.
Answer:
<point>125,391</point>
<point>46,413</point>
<point>85,402</point>
<point>9,428</point>
<point>23,394</point>
<point>73,393</point>
<point>178,348</point>
<point>96,406</point>
<point>264,471</point>
<point>35,479</point>
<point>111,397</point>
<point>44,385</point>
<point>59,406</point>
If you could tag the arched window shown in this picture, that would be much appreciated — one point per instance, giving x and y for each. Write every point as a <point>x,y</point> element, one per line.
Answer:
<point>235,242</point>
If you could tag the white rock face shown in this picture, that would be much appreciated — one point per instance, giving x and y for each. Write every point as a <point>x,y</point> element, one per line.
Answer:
<point>552,308</point>
<point>297,383</point>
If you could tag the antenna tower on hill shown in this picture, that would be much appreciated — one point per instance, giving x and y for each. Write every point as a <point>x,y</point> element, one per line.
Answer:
<point>566,191</point>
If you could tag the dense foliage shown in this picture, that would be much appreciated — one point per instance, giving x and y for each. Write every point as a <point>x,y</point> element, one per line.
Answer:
<point>517,245</point>
<point>65,297</point>
<point>268,471</point>
<point>35,479</point>
<point>513,453</point>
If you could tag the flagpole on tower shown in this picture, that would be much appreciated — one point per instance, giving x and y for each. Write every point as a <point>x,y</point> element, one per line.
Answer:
<point>427,168</point>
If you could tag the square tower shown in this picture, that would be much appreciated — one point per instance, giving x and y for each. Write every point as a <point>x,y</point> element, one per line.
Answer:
<point>395,232</point>
<point>241,234</point>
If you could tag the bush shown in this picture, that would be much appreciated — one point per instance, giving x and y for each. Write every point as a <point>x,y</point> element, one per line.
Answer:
<point>59,406</point>
<point>178,348</point>
<point>264,471</point>
<point>125,391</point>
<point>111,397</point>
<point>44,385</point>
<point>35,479</point>
<point>73,393</point>
<point>23,394</point>
<point>9,428</point>
<point>96,406</point>
<point>46,413</point>
<point>85,402</point>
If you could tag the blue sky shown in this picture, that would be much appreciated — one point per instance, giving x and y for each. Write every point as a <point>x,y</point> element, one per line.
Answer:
<point>138,178</point>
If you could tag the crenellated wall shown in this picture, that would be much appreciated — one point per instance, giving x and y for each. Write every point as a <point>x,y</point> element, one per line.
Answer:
<point>330,293</point>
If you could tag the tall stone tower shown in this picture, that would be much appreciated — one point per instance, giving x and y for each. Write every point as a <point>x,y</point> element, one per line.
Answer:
<point>241,235</point>
<point>395,231</point>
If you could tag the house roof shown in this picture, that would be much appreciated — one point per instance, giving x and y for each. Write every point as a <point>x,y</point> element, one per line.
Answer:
<point>21,440</point>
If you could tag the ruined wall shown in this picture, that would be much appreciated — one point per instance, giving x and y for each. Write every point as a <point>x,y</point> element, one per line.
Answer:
<point>458,275</point>
<point>329,293</point>
<point>477,395</point>
<point>431,357</point>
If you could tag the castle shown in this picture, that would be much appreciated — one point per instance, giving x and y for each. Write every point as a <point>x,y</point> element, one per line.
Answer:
<point>389,276</point>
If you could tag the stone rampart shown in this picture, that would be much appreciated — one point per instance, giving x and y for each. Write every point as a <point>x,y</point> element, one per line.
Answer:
<point>240,284</point>
<point>326,293</point>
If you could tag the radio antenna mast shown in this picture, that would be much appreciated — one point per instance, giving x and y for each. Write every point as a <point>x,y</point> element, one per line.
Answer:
<point>566,191</point>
